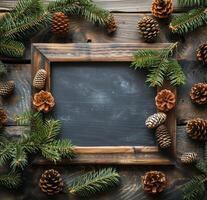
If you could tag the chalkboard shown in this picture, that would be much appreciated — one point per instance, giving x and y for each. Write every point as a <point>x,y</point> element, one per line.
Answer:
<point>102,104</point>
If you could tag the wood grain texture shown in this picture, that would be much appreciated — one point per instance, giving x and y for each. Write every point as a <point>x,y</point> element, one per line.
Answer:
<point>111,5</point>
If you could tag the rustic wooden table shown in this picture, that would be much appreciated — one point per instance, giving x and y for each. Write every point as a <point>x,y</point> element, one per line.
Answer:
<point>127,12</point>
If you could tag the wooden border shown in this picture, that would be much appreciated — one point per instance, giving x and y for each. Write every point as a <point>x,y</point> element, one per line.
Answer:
<point>42,57</point>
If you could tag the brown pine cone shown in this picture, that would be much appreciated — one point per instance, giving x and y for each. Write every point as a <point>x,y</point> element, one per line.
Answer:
<point>197,129</point>
<point>111,25</point>
<point>60,24</point>
<point>155,120</point>
<point>198,93</point>
<point>202,53</point>
<point>189,157</point>
<point>154,182</point>
<point>163,137</point>
<point>162,8</point>
<point>51,182</point>
<point>3,117</point>
<point>148,28</point>
<point>165,100</point>
<point>6,88</point>
<point>39,79</point>
<point>43,101</point>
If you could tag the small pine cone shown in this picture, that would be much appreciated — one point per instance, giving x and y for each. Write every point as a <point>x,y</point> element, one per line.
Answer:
<point>3,117</point>
<point>198,93</point>
<point>39,79</point>
<point>162,8</point>
<point>51,182</point>
<point>43,101</point>
<point>154,182</point>
<point>155,120</point>
<point>163,137</point>
<point>197,129</point>
<point>202,53</point>
<point>60,24</point>
<point>6,88</point>
<point>165,100</point>
<point>189,157</point>
<point>111,25</point>
<point>148,28</point>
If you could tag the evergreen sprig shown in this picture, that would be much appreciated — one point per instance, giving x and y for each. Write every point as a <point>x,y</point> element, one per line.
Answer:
<point>160,65</point>
<point>195,188</point>
<point>94,182</point>
<point>192,2</point>
<point>10,180</point>
<point>42,138</point>
<point>3,69</point>
<point>189,21</point>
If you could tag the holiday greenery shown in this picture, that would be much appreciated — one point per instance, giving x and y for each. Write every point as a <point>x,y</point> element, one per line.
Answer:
<point>195,188</point>
<point>192,2</point>
<point>189,21</point>
<point>160,65</point>
<point>94,182</point>
<point>40,139</point>
<point>29,16</point>
<point>10,180</point>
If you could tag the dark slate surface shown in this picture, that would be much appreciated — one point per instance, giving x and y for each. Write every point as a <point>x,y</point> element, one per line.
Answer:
<point>102,104</point>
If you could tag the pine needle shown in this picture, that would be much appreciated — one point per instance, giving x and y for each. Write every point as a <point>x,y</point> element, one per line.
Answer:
<point>3,69</point>
<point>94,182</point>
<point>10,180</point>
<point>192,2</point>
<point>189,21</point>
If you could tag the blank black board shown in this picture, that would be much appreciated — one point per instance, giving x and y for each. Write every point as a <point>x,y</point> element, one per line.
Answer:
<point>102,104</point>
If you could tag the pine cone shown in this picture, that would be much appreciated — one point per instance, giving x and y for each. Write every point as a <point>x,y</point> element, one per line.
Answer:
<point>155,120</point>
<point>6,88</point>
<point>39,79</point>
<point>162,8</point>
<point>189,157</point>
<point>111,25</point>
<point>154,182</point>
<point>202,53</point>
<point>198,93</point>
<point>51,182</point>
<point>3,117</point>
<point>197,129</point>
<point>165,100</point>
<point>148,28</point>
<point>43,101</point>
<point>60,24</point>
<point>163,137</point>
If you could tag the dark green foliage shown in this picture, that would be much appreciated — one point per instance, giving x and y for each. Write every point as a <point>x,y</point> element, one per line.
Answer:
<point>160,65</point>
<point>189,21</point>
<point>85,8</point>
<point>41,138</point>
<point>94,182</point>
<point>195,188</point>
<point>11,48</point>
<point>10,180</point>
<point>192,2</point>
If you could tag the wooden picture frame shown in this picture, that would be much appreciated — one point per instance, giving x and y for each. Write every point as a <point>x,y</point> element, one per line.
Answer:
<point>45,54</point>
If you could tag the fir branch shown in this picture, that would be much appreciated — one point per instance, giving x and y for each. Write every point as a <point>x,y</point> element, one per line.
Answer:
<point>10,180</point>
<point>194,189</point>
<point>84,8</point>
<point>189,21</point>
<point>192,2</point>
<point>6,152</point>
<point>11,48</point>
<point>94,182</point>
<point>202,166</point>
<point>160,66</point>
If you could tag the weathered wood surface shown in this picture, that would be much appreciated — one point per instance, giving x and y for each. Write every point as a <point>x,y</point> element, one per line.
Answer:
<point>112,5</point>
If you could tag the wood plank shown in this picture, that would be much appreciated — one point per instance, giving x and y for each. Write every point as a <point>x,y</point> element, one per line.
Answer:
<point>19,101</point>
<point>111,5</point>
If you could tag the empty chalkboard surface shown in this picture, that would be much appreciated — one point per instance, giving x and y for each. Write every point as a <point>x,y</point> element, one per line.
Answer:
<point>102,102</point>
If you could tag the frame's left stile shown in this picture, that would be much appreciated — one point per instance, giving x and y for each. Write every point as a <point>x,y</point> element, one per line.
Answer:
<point>45,54</point>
